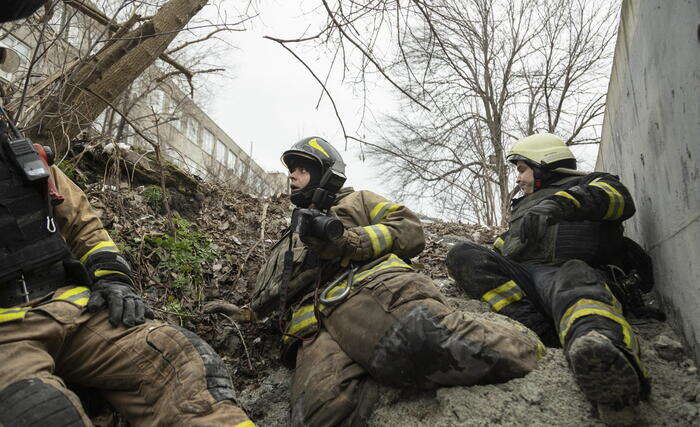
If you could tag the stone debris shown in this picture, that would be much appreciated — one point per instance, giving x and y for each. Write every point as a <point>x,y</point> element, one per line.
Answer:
<point>669,349</point>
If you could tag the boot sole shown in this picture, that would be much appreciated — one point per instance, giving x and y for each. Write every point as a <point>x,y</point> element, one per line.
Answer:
<point>603,372</point>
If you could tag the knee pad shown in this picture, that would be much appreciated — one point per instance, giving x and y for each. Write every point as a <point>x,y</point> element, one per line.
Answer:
<point>33,402</point>
<point>218,379</point>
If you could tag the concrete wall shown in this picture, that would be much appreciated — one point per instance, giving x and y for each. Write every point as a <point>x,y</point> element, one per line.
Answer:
<point>651,138</point>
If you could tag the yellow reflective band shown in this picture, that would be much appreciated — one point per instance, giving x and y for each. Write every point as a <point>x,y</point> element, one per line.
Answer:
<point>72,292</point>
<point>503,295</point>
<point>100,273</point>
<point>505,301</point>
<point>388,240</point>
<point>380,211</point>
<point>245,424</point>
<point>374,239</point>
<point>107,246</point>
<point>80,295</point>
<point>568,196</point>
<point>313,143</point>
<point>392,262</point>
<point>494,293</point>
<point>617,202</point>
<point>380,238</point>
<point>10,314</point>
<point>588,307</point>
<point>375,211</point>
<point>498,244</point>
<point>301,319</point>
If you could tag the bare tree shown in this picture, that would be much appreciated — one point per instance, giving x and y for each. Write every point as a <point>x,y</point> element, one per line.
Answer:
<point>475,75</point>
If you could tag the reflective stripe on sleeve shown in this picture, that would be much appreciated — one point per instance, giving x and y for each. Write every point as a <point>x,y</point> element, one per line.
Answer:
<point>380,211</point>
<point>102,273</point>
<point>568,196</point>
<point>380,238</point>
<point>589,307</point>
<point>503,295</point>
<point>617,202</point>
<point>106,246</point>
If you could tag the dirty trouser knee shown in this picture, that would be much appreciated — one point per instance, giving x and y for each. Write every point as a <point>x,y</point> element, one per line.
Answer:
<point>328,388</point>
<point>401,330</point>
<point>581,302</point>
<point>491,277</point>
<point>154,374</point>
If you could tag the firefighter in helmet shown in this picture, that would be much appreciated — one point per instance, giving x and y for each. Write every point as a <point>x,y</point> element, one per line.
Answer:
<point>353,307</point>
<point>69,311</point>
<point>545,270</point>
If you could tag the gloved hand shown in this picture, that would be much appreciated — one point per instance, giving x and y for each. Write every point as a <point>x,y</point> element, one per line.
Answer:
<point>347,246</point>
<point>537,218</point>
<point>124,305</point>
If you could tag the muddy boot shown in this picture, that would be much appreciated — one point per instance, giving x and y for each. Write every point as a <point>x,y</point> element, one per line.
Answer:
<point>605,374</point>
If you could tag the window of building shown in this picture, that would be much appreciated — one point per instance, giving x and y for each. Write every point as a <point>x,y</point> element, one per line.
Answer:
<point>208,142</point>
<point>231,161</point>
<point>192,130</point>
<point>220,152</point>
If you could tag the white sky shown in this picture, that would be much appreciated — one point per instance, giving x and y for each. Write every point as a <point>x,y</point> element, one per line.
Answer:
<point>268,98</point>
<point>271,98</point>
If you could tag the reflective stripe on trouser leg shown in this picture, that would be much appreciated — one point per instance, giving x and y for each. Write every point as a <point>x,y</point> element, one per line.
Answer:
<point>588,307</point>
<point>503,295</point>
<point>404,333</point>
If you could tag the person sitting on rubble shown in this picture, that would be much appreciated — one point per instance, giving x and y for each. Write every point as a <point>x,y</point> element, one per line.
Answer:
<point>59,270</point>
<point>357,307</point>
<point>545,270</point>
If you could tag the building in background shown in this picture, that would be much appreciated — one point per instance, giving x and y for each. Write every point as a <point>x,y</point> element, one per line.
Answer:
<point>187,136</point>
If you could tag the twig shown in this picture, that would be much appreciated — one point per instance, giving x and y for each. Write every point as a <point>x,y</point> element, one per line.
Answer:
<point>240,334</point>
<point>335,108</point>
<point>252,249</point>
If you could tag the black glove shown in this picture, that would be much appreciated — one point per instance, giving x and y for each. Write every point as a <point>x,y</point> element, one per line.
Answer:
<point>538,218</point>
<point>124,305</point>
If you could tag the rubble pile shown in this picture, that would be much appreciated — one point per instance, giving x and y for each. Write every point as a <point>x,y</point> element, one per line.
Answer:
<point>233,233</point>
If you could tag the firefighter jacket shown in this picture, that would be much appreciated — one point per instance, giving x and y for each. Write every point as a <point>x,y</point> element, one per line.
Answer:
<point>593,208</point>
<point>90,254</point>
<point>386,234</point>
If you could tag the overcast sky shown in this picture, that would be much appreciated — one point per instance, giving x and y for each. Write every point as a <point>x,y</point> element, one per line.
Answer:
<point>269,98</point>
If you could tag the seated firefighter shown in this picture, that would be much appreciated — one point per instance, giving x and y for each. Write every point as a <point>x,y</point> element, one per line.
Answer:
<point>54,330</point>
<point>358,308</point>
<point>545,270</point>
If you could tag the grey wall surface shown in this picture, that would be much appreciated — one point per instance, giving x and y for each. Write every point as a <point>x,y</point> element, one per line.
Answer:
<point>651,138</point>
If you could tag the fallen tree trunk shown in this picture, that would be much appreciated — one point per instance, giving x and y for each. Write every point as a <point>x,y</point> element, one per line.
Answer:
<point>72,107</point>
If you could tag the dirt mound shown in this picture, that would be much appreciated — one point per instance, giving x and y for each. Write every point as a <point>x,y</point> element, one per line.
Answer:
<point>223,240</point>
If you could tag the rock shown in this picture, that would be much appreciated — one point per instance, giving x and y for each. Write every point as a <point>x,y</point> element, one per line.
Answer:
<point>231,345</point>
<point>692,393</point>
<point>531,394</point>
<point>691,370</point>
<point>668,349</point>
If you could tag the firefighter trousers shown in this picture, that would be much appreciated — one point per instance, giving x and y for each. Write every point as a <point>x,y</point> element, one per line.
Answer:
<point>559,303</point>
<point>400,331</point>
<point>153,374</point>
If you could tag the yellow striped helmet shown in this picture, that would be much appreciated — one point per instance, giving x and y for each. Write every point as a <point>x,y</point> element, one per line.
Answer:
<point>316,149</point>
